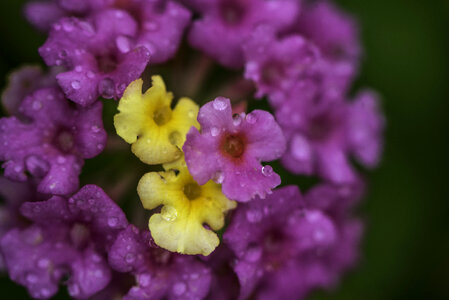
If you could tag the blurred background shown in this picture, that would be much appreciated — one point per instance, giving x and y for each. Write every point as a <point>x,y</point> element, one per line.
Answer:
<point>406,247</point>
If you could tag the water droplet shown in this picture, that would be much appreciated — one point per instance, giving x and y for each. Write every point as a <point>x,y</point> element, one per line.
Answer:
<point>150,47</point>
<point>100,146</point>
<point>144,279</point>
<point>179,288</point>
<point>67,26</point>
<point>112,221</point>
<point>31,278</point>
<point>74,290</point>
<point>175,138</point>
<point>253,216</point>
<point>62,54</point>
<point>251,118</point>
<point>45,293</point>
<point>214,131</point>
<point>123,44</point>
<point>130,258</point>
<point>218,177</point>
<point>17,169</point>
<point>318,235</point>
<point>150,26</point>
<point>37,105</point>
<point>43,263</point>
<point>95,129</point>
<point>267,170</point>
<point>76,85</point>
<point>61,159</point>
<point>191,113</point>
<point>106,88</point>
<point>78,68</point>
<point>220,103</point>
<point>236,119</point>
<point>90,74</point>
<point>253,254</point>
<point>169,213</point>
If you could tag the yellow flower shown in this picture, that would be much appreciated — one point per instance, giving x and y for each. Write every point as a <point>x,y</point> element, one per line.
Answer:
<point>186,208</point>
<point>147,121</point>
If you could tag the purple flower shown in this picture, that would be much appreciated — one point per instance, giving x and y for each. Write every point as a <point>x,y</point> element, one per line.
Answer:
<point>285,246</point>
<point>43,14</point>
<point>225,24</point>
<point>229,150</point>
<point>159,274</point>
<point>321,138</point>
<point>161,26</point>
<point>98,53</point>
<point>335,32</point>
<point>277,65</point>
<point>67,237</point>
<point>51,144</point>
<point>23,82</point>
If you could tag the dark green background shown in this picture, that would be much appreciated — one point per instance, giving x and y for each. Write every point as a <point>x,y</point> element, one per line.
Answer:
<point>406,247</point>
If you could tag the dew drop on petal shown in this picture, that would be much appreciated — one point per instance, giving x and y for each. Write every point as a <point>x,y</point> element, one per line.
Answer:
<point>253,216</point>
<point>74,290</point>
<point>251,119</point>
<point>219,104</point>
<point>76,85</point>
<point>130,258</point>
<point>179,288</point>
<point>236,119</point>
<point>144,280</point>
<point>37,105</point>
<point>218,177</point>
<point>43,263</point>
<point>214,131</point>
<point>112,221</point>
<point>95,129</point>
<point>253,254</point>
<point>169,213</point>
<point>150,26</point>
<point>267,170</point>
<point>123,44</point>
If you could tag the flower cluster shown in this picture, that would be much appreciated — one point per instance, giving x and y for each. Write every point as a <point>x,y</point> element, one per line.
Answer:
<point>214,220</point>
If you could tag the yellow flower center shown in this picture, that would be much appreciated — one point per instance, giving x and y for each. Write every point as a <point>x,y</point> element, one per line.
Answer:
<point>192,191</point>
<point>162,115</point>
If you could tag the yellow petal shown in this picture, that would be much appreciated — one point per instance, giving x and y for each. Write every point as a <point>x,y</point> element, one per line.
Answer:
<point>179,225</point>
<point>147,121</point>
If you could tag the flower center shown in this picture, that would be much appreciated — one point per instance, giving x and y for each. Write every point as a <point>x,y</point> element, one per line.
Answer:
<point>162,115</point>
<point>106,63</point>
<point>64,141</point>
<point>272,73</point>
<point>80,235</point>
<point>234,146</point>
<point>232,12</point>
<point>320,127</point>
<point>192,191</point>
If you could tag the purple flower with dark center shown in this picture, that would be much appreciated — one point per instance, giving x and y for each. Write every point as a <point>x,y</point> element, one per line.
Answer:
<point>161,25</point>
<point>23,82</point>
<point>159,274</point>
<point>99,54</point>
<point>332,30</point>
<point>285,246</point>
<point>229,150</point>
<point>224,25</point>
<point>225,284</point>
<point>67,238</point>
<point>51,144</point>
<point>321,138</point>
<point>43,14</point>
<point>277,65</point>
